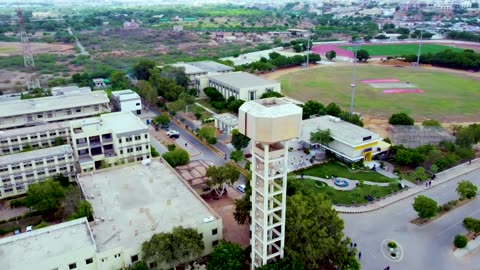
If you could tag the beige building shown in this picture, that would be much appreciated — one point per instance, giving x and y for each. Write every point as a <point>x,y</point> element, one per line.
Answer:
<point>109,139</point>
<point>30,112</point>
<point>17,171</point>
<point>41,136</point>
<point>242,85</point>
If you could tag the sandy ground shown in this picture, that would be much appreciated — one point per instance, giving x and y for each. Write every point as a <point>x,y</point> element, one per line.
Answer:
<point>15,48</point>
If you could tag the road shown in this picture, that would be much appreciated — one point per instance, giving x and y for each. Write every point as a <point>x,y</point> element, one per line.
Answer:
<point>427,247</point>
<point>79,45</point>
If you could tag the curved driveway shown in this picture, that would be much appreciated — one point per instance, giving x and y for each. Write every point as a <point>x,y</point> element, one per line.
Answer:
<point>427,247</point>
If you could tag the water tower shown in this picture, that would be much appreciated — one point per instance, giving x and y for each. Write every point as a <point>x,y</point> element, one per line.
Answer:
<point>270,123</point>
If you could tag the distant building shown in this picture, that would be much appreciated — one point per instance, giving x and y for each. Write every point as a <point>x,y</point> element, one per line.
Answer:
<point>298,32</point>
<point>226,122</point>
<point>31,112</point>
<point>131,25</point>
<point>127,101</point>
<point>242,85</point>
<point>69,90</point>
<point>108,140</point>
<point>99,83</point>
<point>178,28</point>
<point>18,171</point>
<point>351,143</point>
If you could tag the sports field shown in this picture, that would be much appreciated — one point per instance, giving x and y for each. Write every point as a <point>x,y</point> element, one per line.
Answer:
<point>401,49</point>
<point>446,97</point>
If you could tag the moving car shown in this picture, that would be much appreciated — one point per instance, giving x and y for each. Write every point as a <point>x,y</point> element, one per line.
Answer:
<point>241,188</point>
<point>173,134</point>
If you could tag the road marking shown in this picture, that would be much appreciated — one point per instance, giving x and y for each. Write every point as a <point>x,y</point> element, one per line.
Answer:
<point>461,221</point>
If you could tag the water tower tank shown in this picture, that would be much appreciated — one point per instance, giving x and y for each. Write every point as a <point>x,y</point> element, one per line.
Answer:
<point>270,120</point>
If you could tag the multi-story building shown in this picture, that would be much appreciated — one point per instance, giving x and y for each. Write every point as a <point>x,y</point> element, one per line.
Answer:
<point>31,112</point>
<point>109,139</point>
<point>242,85</point>
<point>69,90</point>
<point>131,203</point>
<point>17,171</point>
<point>27,138</point>
<point>127,101</point>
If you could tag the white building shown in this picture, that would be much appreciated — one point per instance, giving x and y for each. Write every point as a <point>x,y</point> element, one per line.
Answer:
<point>17,171</point>
<point>41,136</point>
<point>242,85</point>
<point>99,83</point>
<point>69,90</point>
<point>127,101</point>
<point>109,139</point>
<point>350,142</point>
<point>37,111</point>
<point>226,122</point>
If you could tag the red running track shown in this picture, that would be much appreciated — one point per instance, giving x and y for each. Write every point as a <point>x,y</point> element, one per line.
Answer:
<point>322,49</point>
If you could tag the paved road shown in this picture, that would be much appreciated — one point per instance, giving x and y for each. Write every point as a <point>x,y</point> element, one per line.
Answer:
<point>427,247</point>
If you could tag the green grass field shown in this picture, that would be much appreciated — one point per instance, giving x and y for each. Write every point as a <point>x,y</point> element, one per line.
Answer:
<point>447,97</point>
<point>336,169</point>
<point>401,49</point>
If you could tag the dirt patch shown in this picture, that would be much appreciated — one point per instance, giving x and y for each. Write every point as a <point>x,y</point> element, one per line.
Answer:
<point>15,48</point>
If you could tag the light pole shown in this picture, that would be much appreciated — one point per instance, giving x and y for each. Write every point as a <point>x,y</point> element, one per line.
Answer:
<point>308,53</point>
<point>186,109</point>
<point>419,48</point>
<point>356,46</point>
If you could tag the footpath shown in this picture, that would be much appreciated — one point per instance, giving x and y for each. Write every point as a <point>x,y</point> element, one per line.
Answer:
<point>440,178</point>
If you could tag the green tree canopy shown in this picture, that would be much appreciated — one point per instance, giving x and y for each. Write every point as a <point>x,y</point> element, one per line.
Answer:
<point>401,119</point>
<point>119,80</point>
<point>237,155</point>
<point>312,107</point>
<point>243,206</point>
<point>431,123</point>
<point>472,225</point>
<point>180,246</point>
<point>323,137</point>
<point>226,256</point>
<point>147,91</point>
<point>270,94</point>
<point>219,177</point>
<point>239,141</point>
<point>84,210</point>
<point>425,207</point>
<point>330,55</point>
<point>162,119</point>
<point>333,110</point>
<point>141,70</point>
<point>363,55</point>
<point>45,196</point>
<point>285,263</point>
<point>467,189</point>
<point>177,157</point>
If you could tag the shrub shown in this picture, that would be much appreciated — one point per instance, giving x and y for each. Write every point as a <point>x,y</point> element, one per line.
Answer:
<point>154,151</point>
<point>212,140</point>
<point>392,244</point>
<point>18,202</point>
<point>247,165</point>
<point>171,147</point>
<point>425,207</point>
<point>460,241</point>
<point>445,207</point>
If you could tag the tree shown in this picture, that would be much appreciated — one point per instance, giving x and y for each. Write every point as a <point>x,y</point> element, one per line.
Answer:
<point>472,225</point>
<point>425,207</point>
<point>270,94</point>
<point>45,196</point>
<point>177,157</point>
<point>176,106</point>
<point>313,58</point>
<point>363,55</point>
<point>298,48</point>
<point>312,107</point>
<point>467,189</point>
<point>284,263</point>
<point>239,141</point>
<point>330,55</point>
<point>187,98</point>
<point>314,233</point>
<point>177,74</point>
<point>333,110</point>
<point>431,123</point>
<point>62,179</point>
<point>141,70</point>
<point>401,119</point>
<point>237,155</point>
<point>213,94</point>
<point>162,119</point>
<point>119,80</point>
<point>222,176</point>
<point>58,141</point>
<point>460,241</point>
<point>146,90</point>
<point>140,265</point>
<point>226,256</point>
<point>235,105</point>
<point>84,210</point>
<point>207,133</point>
<point>180,246</point>
<point>324,137</point>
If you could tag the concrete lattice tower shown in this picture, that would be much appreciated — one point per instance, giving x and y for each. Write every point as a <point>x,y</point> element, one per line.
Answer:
<point>270,123</point>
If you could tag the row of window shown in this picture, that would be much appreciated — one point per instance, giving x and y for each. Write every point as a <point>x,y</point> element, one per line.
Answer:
<point>38,162</point>
<point>40,173</point>
<point>130,139</point>
<point>51,114</point>
<point>71,266</point>
<point>34,137</point>
<point>138,148</point>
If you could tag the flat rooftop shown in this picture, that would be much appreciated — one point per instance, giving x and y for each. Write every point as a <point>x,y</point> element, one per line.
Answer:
<point>126,94</point>
<point>270,108</point>
<point>34,129</point>
<point>118,122</point>
<point>189,69</point>
<point>36,105</point>
<point>70,90</point>
<point>27,250</point>
<point>136,201</point>
<point>211,66</point>
<point>341,130</point>
<point>241,80</point>
<point>36,154</point>
<point>227,118</point>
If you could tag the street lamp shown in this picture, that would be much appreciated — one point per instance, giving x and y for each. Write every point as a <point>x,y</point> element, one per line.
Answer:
<point>186,109</point>
<point>308,53</point>
<point>356,46</point>
<point>419,48</point>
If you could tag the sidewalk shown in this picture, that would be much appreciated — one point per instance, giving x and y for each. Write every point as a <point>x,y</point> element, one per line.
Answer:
<point>441,177</point>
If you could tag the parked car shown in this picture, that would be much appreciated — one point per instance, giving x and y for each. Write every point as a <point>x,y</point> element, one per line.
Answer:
<point>173,134</point>
<point>17,232</point>
<point>241,188</point>
<point>29,229</point>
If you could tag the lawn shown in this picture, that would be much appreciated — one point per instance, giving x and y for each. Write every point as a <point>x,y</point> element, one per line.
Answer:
<point>447,97</point>
<point>337,169</point>
<point>356,196</point>
<point>401,49</point>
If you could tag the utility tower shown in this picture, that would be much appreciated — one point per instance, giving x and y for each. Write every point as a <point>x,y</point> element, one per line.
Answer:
<point>30,70</point>
<point>270,123</point>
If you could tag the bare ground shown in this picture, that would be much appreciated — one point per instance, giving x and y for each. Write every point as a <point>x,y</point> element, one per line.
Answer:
<point>15,48</point>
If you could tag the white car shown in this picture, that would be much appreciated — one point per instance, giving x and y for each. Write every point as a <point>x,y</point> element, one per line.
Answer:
<point>241,188</point>
<point>173,133</point>
<point>29,229</point>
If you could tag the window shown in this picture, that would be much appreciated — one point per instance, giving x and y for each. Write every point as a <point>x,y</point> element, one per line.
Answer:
<point>72,266</point>
<point>52,170</point>
<point>129,150</point>
<point>96,108</point>
<point>78,110</point>
<point>29,118</point>
<point>121,152</point>
<point>43,135</point>
<point>117,255</point>
<point>215,243</point>
<point>33,137</point>
<point>367,138</point>
<point>153,265</point>
<point>69,112</point>
<point>138,148</point>
<point>6,150</point>
<point>214,231</point>
<point>39,116</point>
<point>146,136</point>
<point>4,142</point>
<point>53,133</point>
<point>49,115</point>
<point>137,138</point>
<point>137,104</point>
<point>146,146</point>
<point>89,261</point>
<point>24,138</point>
<point>119,140</point>
<point>14,140</point>
<point>104,259</point>
<point>252,95</point>
<point>134,258</point>
<point>128,139</point>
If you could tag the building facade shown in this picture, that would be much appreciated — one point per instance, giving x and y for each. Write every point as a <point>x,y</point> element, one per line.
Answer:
<point>18,171</point>
<point>109,139</point>
<point>127,101</point>
<point>41,136</point>
<point>242,85</point>
<point>226,122</point>
<point>31,112</point>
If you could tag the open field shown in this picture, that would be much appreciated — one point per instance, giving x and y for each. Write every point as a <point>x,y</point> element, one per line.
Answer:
<point>15,48</point>
<point>447,97</point>
<point>401,49</point>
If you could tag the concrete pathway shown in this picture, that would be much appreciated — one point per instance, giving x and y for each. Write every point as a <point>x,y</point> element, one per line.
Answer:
<point>206,109</point>
<point>352,183</point>
<point>441,177</point>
